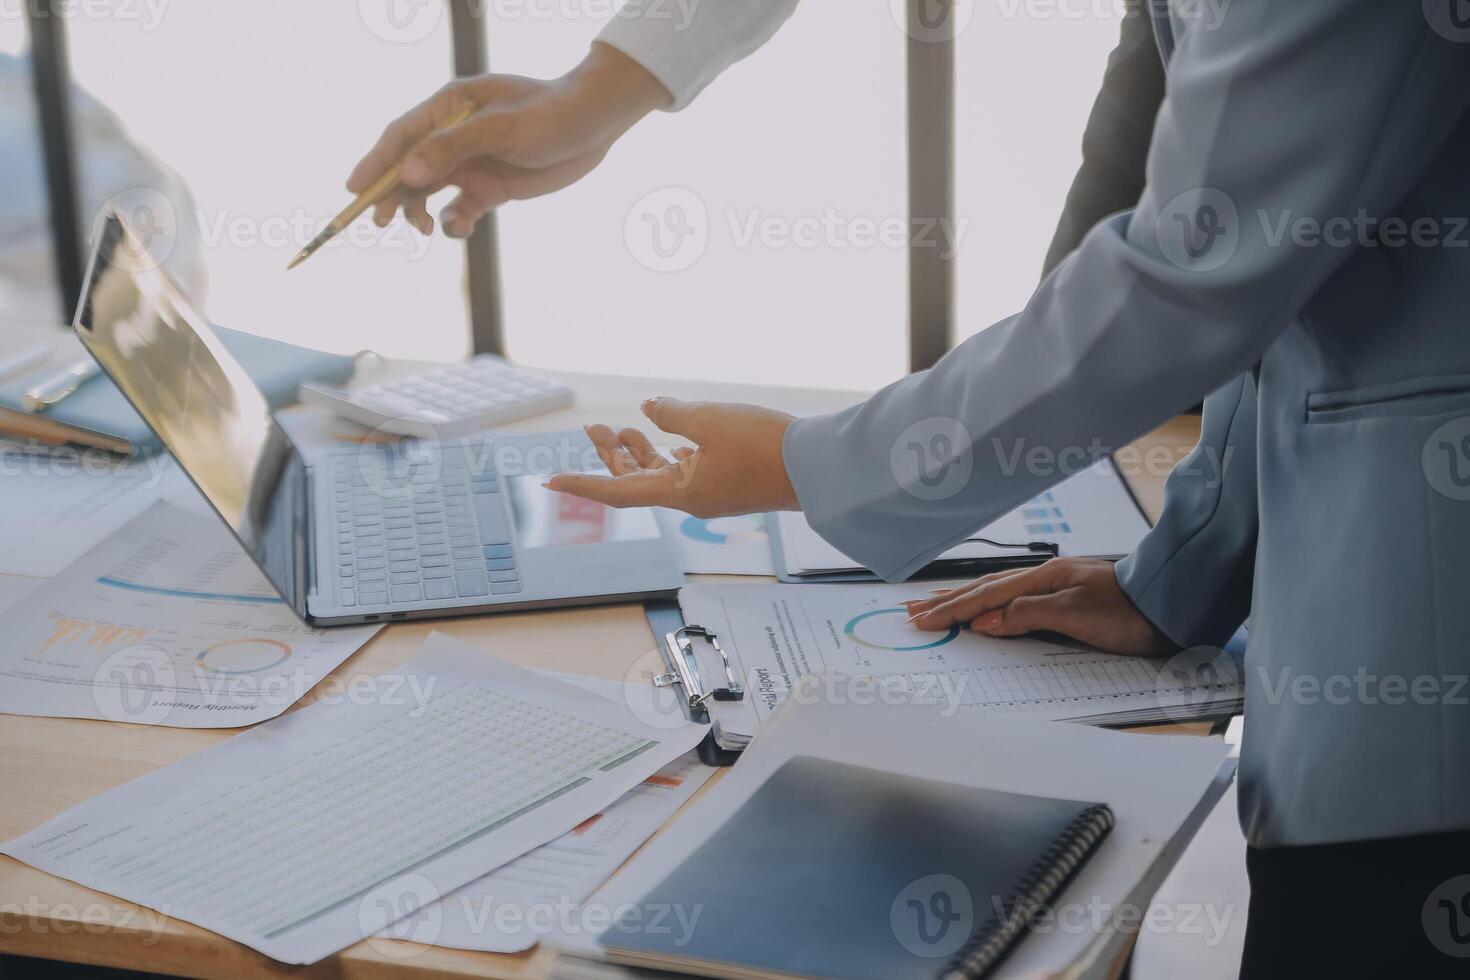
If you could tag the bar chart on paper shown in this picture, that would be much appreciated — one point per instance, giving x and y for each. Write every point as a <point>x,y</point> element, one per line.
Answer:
<point>1090,513</point>
<point>166,622</point>
<point>94,636</point>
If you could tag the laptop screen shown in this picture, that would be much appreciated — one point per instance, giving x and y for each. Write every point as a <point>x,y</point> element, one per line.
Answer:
<point>199,401</point>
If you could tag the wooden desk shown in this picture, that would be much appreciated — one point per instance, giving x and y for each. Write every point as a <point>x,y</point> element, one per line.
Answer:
<point>50,764</point>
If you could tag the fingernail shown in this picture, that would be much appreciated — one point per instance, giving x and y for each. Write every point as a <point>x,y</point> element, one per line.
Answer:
<point>989,621</point>
<point>648,404</point>
<point>414,170</point>
<point>911,619</point>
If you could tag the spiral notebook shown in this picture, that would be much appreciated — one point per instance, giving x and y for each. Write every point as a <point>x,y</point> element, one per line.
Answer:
<point>835,870</point>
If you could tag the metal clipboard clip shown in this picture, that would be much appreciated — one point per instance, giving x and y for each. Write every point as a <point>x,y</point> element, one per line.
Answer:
<point>685,672</point>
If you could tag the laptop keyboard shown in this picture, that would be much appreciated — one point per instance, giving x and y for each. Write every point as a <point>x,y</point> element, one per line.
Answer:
<point>416,524</point>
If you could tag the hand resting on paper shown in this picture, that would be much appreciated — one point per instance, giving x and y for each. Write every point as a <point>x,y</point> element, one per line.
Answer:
<point>1077,597</point>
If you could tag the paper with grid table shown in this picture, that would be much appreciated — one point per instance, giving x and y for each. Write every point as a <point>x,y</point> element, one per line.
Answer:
<point>309,833</point>
<point>775,634</point>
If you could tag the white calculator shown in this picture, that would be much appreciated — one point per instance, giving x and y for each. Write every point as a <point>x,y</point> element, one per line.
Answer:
<point>480,393</point>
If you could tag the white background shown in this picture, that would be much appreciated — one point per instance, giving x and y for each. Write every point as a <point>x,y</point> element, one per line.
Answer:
<point>264,107</point>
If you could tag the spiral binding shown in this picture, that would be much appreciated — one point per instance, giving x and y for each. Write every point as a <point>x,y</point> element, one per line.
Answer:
<point>990,942</point>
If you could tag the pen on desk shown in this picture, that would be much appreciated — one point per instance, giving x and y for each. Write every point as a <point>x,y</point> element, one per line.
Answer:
<point>14,367</point>
<point>373,194</point>
<point>59,387</point>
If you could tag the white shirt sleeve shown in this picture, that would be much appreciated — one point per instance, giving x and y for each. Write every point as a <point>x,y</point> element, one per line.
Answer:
<point>686,44</point>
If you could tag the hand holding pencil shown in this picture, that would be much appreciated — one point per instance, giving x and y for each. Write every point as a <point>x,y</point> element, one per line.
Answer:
<point>523,138</point>
<point>374,192</point>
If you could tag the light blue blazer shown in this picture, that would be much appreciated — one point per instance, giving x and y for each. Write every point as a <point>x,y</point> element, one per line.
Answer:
<point>1300,255</point>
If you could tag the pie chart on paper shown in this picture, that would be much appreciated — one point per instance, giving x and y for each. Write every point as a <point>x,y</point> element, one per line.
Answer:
<point>724,530</point>
<point>888,629</point>
<point>736,545</point>
<point>244,656</point>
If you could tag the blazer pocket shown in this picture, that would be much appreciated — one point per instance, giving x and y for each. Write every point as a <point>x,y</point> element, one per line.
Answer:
<point>1414,398</point>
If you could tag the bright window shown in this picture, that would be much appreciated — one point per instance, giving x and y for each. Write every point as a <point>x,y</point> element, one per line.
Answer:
<point>756,236</point>
<point>1028,73</point>
<point>262,108</point>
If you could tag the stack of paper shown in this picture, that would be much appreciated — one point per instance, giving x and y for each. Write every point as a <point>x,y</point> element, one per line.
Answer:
<point>540,893</point>
<point>60,501</point>
<point>1159,789</point>
<point>309,833</point>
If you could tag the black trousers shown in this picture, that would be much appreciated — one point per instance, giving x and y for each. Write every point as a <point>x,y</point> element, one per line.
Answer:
<point>1381,909</point>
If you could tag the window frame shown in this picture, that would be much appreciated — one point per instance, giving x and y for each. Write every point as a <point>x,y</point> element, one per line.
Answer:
<point>930,138</point>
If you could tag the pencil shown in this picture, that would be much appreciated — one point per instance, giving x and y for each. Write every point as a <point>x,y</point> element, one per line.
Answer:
<point>373,194</point>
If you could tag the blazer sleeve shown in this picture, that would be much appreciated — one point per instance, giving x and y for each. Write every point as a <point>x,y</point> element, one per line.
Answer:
<point>1115,143</point>
<point>1161,306</point>
<point>686,44</point>
<point>1191,576</point>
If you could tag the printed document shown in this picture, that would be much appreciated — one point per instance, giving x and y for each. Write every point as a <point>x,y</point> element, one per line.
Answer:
<point>776,634</point>
<point>60,501</point>
<point>1159,787</point>
<point>1090,514</point>
<point>307,834</point>
<point>166,622</point>
<point>541,893</point>
<point>516,906</point>
<point>737,545</point>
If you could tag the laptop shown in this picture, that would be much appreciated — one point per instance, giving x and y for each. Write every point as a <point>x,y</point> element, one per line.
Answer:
<point>376,530</point>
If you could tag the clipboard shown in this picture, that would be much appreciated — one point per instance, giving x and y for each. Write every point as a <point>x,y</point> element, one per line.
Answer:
<point>705,671</point>
<point>685,671</point>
